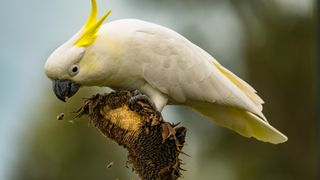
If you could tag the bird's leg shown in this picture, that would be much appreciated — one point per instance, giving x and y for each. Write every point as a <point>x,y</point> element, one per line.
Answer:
<point>155,98</point>
<point>139,96</point>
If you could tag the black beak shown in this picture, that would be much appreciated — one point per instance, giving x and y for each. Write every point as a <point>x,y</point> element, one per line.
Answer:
<point>65,89</point>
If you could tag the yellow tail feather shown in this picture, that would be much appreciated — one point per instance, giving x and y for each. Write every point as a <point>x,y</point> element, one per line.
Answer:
<point>240,121</point>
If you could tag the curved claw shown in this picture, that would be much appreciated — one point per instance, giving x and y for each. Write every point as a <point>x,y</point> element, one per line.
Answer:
<point>138,96</point>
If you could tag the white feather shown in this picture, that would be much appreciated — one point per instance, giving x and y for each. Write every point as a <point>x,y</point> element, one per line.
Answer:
<point>173,66</point>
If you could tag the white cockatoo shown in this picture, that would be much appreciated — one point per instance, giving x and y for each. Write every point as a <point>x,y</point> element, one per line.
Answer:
<point>134,54</point>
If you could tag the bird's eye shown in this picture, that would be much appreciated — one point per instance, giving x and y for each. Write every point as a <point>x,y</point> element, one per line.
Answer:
<point>74,70</point>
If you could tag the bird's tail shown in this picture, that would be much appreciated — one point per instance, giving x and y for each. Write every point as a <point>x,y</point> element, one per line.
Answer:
<point>241,121</point>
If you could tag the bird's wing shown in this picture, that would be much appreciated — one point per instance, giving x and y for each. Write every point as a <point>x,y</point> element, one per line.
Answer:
<point>189,75</point>
<point>183,71</point>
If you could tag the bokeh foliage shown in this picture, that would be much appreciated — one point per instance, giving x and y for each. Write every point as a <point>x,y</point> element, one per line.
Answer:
<point>279,53</point>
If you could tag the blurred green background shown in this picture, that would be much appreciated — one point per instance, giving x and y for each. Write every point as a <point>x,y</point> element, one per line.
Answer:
<point>269,43</point>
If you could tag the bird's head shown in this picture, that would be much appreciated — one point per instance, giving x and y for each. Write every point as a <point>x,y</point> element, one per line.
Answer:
<point>65,65</point>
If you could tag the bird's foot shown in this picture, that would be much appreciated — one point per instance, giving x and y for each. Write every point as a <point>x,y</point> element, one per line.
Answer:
<point>138,96</point>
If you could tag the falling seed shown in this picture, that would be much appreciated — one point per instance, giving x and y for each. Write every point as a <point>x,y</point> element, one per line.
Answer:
<point>71,121</point>
<point>60,116</point>
<point>110,165</point>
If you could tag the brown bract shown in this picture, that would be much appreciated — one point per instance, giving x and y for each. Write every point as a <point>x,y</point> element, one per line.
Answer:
<point>153,145</point>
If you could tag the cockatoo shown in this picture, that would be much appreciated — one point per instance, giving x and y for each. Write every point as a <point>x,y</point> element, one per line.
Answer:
<point>159,62</point>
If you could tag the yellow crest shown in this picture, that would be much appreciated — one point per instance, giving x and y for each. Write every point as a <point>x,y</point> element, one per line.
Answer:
<point>92,26</point>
